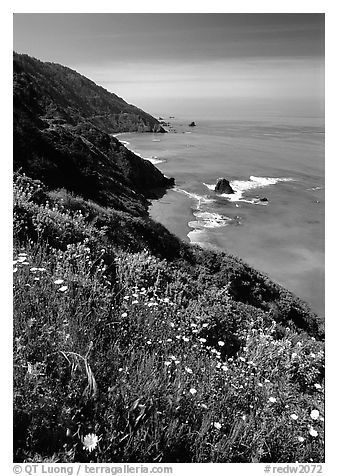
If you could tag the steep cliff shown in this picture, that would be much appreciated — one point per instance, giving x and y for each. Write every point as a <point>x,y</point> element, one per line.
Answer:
<point>62,136</point>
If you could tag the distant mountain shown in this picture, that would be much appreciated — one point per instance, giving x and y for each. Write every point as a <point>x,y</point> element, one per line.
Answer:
<point>62,135</point>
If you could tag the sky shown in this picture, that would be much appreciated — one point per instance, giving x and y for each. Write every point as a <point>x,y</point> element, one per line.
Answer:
<point>189,63</point>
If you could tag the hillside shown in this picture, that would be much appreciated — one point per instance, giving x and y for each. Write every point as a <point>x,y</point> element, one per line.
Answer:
<point>62,127</point>
<point>61,95</point>
<point>125,337</point>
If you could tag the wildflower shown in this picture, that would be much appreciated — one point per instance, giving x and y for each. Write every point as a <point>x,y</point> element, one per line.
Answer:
<point>33,269</point>
<point>217,425</point>
<point>317,386</point>
<point>293,355</point>
<point>166,363</point>
<point>41,269</point>
<point>203,405</point>
<point>169,340</point>
<point>15,270</point>
<point>205,325</point>
<point>124,314</point>
<point>220,343</point>
<point>63,289</point>
<point>185,339</point>
<point>172,324</point>
<point>135,302</point>
<point>149,342</point>
<point>193,391</point>
<point>314,414</point>
<point>294,416</point>
<point>90,442</point>
<point>260,384</point>
<point>272,399</point>
<point>313,432</point>
<point>57,281</point>
<point>243,417</point>
<point>202,340</point>
<point>300,439</point>
<point>188,370</point>
<point>225,368</point>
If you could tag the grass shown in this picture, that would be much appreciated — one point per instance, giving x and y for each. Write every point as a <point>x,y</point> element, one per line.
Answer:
<point>186,358</point>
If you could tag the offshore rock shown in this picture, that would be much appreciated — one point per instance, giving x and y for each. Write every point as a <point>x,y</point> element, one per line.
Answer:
<point>223,186</point>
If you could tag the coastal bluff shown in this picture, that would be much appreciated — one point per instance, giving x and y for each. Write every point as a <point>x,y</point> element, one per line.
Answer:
<point>63,136</point>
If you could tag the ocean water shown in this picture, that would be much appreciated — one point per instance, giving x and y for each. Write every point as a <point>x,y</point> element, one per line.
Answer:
<point>281,159</point>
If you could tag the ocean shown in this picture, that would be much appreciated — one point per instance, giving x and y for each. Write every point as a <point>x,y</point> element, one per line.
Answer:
<point>278,159</point>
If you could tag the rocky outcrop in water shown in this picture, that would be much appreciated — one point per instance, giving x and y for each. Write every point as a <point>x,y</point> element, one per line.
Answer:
<point>223,186</point>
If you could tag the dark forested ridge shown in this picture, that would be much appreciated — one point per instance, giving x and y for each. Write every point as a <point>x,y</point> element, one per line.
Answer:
<point>62,135</point>
<point>62,95</point>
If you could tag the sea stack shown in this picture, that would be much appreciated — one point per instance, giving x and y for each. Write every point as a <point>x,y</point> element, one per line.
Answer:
<point>223,186</point>
<point>192,124</point>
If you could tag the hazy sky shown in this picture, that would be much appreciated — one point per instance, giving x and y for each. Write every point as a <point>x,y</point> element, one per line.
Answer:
<point>168,62</point>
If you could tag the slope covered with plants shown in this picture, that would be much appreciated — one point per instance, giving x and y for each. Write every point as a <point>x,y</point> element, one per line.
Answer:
<point>129,344</point>
<point>160,351</point>
<point>59,139</point>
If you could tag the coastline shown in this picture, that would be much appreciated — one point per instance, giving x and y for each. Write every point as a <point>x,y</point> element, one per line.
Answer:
<point>193,212</point>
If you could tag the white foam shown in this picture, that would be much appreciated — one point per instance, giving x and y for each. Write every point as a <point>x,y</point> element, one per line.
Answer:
<point>125,142</point>
<point>156,140</point>
<point>209,220</point>
<point>210,186</point>
<point>154,160</point>
<point>199,198</point>
<point>241,186</point>
<point>199,237</point>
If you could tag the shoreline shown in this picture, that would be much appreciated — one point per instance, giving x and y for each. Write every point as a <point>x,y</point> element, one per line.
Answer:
<point>153,160</point>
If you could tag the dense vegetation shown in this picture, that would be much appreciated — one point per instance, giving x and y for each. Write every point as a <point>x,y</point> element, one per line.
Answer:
<point>130,345</point>
<point>64,96</point>
<point>59,140</point>
<point>165,352</point>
